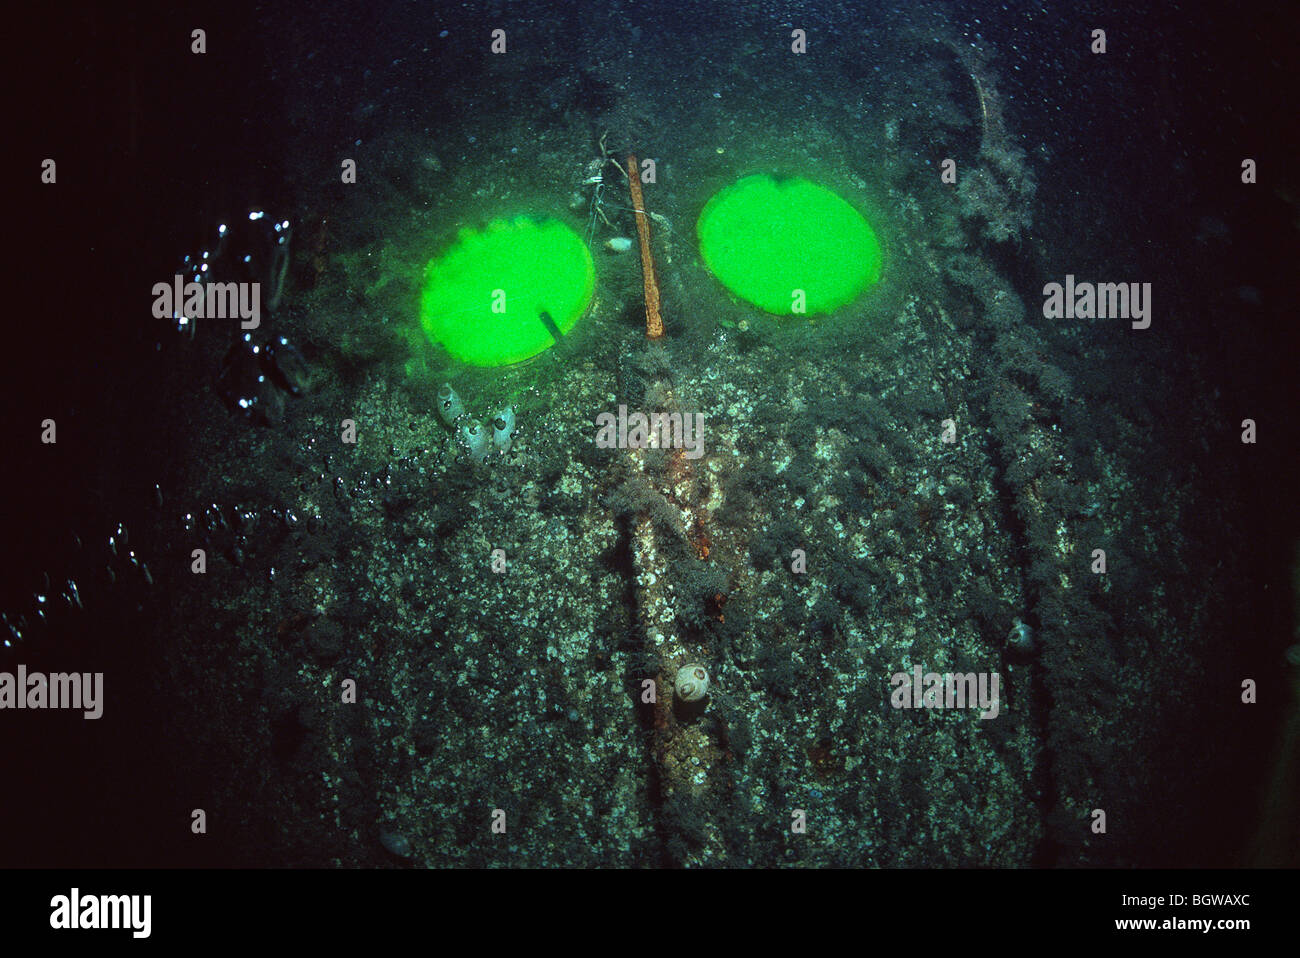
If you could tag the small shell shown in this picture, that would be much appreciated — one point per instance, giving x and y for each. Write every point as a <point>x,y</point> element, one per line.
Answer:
<point>691,683</point>
<point>618,244</point>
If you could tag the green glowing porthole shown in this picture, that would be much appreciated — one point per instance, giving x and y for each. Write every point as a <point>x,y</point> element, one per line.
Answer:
<point>505,293</point>
<point>764,238</point>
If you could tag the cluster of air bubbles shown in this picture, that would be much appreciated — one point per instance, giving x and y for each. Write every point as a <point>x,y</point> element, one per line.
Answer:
<point>256,376</point>
<point>244,532</point>
<point>247,251</point>
<point>118,546</point>
<point>107,567</point>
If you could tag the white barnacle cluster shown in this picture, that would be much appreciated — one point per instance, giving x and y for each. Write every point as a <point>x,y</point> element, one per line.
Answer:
<point>471,435</point>
<point>691,683</point>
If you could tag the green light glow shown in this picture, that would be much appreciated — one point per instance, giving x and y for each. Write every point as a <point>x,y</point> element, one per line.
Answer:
<point>508,292</point>
<point>765,238</point>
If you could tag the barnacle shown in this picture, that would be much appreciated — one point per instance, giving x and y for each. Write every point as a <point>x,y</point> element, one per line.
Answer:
<point>450,408</point>
<point>503,428</point>
<point>474,440</point>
